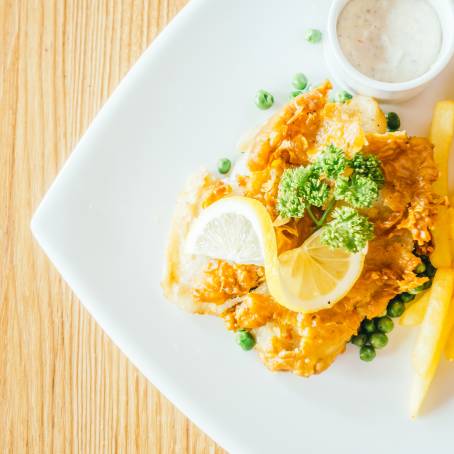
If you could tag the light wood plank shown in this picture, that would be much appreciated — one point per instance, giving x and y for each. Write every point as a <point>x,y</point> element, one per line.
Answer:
<point>63,386</point>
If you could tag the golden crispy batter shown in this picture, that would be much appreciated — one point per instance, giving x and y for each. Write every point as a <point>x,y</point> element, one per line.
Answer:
<point>216,191</point>
<point>284,141</point>
<point>291,131</point>
<point>187,209</point>
<point>340,126</point>
<point>183,270</point>
<point>409,169</point>
<point>256,310</point>
<point>221,281</point>
<point>291,234</point>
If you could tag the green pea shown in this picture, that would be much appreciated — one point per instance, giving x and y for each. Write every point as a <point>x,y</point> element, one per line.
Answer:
<point>420,268</point>
<point>295,93</point>
<point>378,340</point>
<point>367,326</point>
<point>367,353</point>
<point>430,269</point>
<point>427,284</point>
<point>264,100</point>
<point>299,81</point>
<point>393,121</point>
<point>313,36</point>
<point>245,339</point>
<point>385,324</point>
<point>359,340</point>
<point>344,96</point>
<point>421,288</point>
<point>406,297</point>
<point>224,165</point>
<point>395,308</point>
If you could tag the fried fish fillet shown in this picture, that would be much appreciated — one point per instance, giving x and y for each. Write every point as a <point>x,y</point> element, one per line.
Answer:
<point>307,344</point>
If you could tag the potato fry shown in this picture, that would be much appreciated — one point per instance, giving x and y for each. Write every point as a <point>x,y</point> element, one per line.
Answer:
<point>449,344</point>
<point>434,320</point>
<point>414,314</point>
<point>451,228</point>
<point>449,347</point>
<point>441,134</point>
<point>432,337</point>
<point>441,232</point>
<point>419,389</point>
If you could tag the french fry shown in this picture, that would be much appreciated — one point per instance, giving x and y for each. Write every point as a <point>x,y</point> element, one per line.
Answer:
<point>419,389</point>
<point>435,319</point>
<point>449,347</point>
<point>414,314</point>
<point>432,337</point>
<point>441,232</point>
<point>441,134</point>
<point>451,228</point>
<point>439,313</point>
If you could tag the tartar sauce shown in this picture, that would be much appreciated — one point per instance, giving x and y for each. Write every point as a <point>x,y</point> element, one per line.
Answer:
<point>390,40</point>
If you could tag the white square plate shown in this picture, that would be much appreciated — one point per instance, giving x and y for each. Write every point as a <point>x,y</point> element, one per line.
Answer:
<point>104,224</point>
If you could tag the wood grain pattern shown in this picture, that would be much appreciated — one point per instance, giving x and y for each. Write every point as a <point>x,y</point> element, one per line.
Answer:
<point>63,386</point>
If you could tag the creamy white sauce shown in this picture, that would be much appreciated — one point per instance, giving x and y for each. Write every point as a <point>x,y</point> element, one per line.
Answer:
<point>390,40</point>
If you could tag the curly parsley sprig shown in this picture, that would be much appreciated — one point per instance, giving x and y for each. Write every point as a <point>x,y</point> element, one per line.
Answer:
<point>369,166</point>
<point>330,179</point>
<point>332,162</point>
<point>348,229</point>
<point>358,190</point>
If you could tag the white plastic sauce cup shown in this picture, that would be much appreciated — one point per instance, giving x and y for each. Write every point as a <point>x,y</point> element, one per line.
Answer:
<point>349,76</point>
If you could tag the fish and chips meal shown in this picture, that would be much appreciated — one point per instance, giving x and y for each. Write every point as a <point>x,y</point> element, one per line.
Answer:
<point>331,225</point>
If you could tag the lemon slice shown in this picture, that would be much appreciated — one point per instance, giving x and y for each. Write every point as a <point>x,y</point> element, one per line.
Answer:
<point>306,279</point>
<point>314,276</point>
<point>236,229</point>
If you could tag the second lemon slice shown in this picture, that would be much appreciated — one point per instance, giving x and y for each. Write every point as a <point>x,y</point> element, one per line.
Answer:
<point>314,276</point>
<point>306,279</point>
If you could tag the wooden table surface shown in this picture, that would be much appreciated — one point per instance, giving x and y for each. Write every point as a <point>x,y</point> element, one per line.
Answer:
<point>64,387</point>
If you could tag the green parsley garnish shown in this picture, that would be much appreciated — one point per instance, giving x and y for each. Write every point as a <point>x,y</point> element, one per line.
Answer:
<point>332,162</point>
<point>312,188</point>
<point>359,191</point>
<point>334,178</point>
<point>348,229</point>
<point>369,166</point>
<point>290,203</point>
